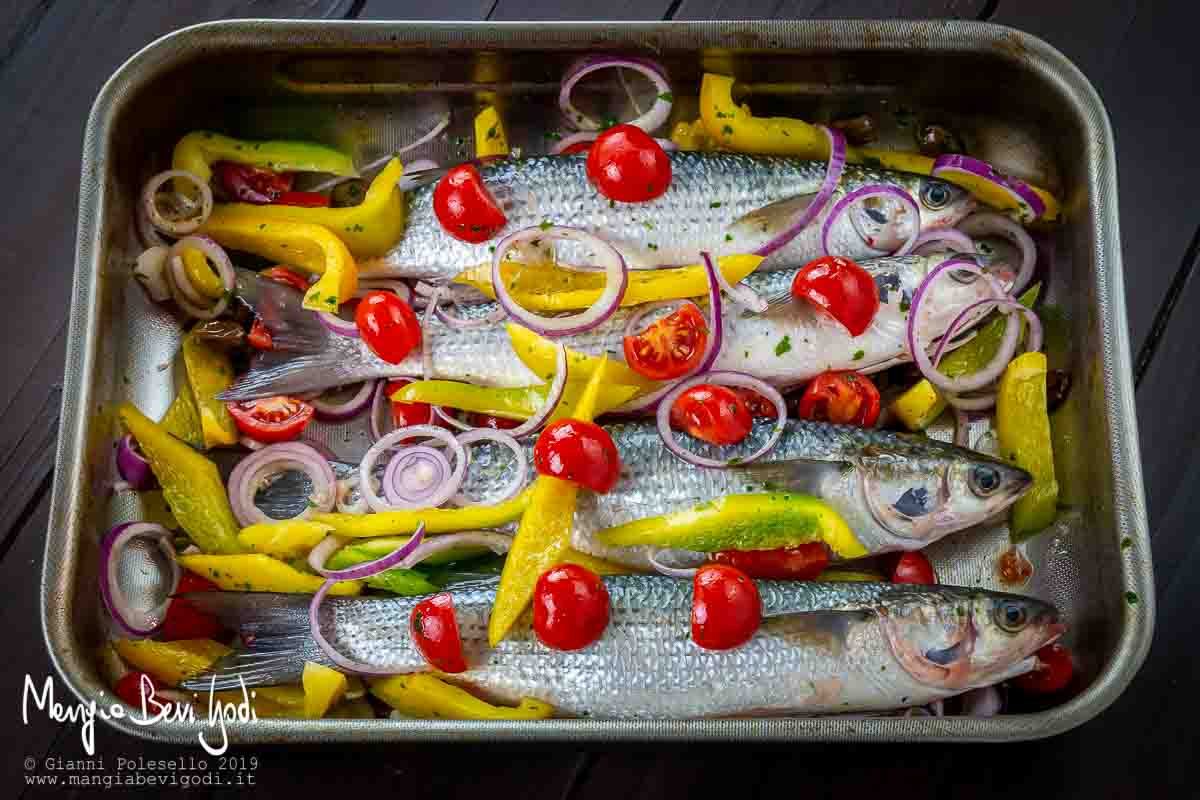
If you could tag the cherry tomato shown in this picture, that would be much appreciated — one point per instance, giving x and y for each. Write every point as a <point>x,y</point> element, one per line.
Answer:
<point>803,562</point>
<point>271,419</point>
<point>249,184</point>
<point>435,631</point>
<point>726,608</point>
<point>570,607</point>
<point>136,684</point>
<point>756,404</point>
<point>465,207</point>
<point>305,199</point>
<point>842,288</point>
<point>282,274</point>
<point>627,165</point>
<point>184,620</point>
<point>405,414</point>
<point>259,337</point>
<point>844,397</point>
<point>1053,673</point>
<point>914,567</point>
<point>578,451</point>
<point>495,423</point>
<point>669,348</point>
<point>578,147</point>
<point>712,413</point>
<point>388,325</point>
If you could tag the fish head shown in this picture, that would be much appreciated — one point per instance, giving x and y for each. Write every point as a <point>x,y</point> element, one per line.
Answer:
<point>951,638</point>
<point>884,222</point>
<point>922,490</point>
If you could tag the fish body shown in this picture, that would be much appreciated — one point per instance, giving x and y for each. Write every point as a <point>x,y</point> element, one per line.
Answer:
<point>788,344</point>
<point>821,648</point>
<point>724,203</point>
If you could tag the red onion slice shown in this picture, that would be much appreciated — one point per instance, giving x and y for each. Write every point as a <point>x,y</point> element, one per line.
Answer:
<point>744,296</point>
<point>990,223</point>
<point>874,190</point>
<point>261,465</point>
<point>1029,205</point>
<point>442,123</point>
<point>132,621</point>
<point>321,553</point>
<point>414,475</point>
<point>132,465</point>
<point>459,324</point>
<point>426,339</point>
<point>176,227</point>
<point>387,442</point>
<point>338,411</point>
<point>397,287</point>
<point>609,301</point>
<point>498,543</point>
<point>553,397</point>
<point>959,242</point>
<point>335,324</point>
<point>344,504</point>
<point>519,469</point>
<point>656,560</point>
<point>150,272</point>
<point>833,175</point>
<point>380,405</point>
<point>649,121</point>
<point>721,379</point>
<point>183,293</point>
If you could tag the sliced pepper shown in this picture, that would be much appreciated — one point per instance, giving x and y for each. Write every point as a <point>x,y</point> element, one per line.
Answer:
<point>538,353</point>
<point>200,274</point>
<point>490,138</point>
<point>692,136</point>
<point>323,688</point>
<point>260,573</point>
<point>287,538</point>
<point>305,245</point>
<point>851,575</point>
<point>364,550</point>
<point>199,150</point>
<point>596,565</point>
<point>182,419</point>
<point>191,484</point>
<point>429,697</point>
<point>170,663</point>
<point>210,372</point>
<point>1023,430</point>
<point>520,403</point>
<point>544,288</point>
<point>437,520</point>
<point>743,522</point>
<point>736,128</point>
<point>368,229</point>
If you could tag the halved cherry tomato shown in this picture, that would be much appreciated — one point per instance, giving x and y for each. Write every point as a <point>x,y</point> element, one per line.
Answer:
<point>578,451</point>
<point>578,147</point>
<point>842,288</point>
<point>713,413</point>
<point>843,397</point>
<point>405,414</point>
<point>914,567</point>
<point>136,684</point>
<point>248,184</point>
<point>435,631</point>
<point>271,419</point>
<point>306,199</point>
<point>259,337</point>
<point>388,325</point>
<point>627,165</point>
<point>465,207</point>
<point>1053,672</point>
<point>669,348</point>
<point>726,608</point>
<point>756,404</point>
<point>184,620</point>
<point>284,275</point>
<point>570,607</point>
<point>495,423</point>
<point>802,562</point>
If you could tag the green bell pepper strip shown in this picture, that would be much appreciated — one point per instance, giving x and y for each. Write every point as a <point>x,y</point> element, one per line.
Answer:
<point>199,150</point>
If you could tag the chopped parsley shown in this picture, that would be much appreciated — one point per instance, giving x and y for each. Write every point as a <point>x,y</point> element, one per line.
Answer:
<point>715,204</point>
<point>652,245</point>
<point>729,237</point>
<point>491,134</point>
<point>555,135</point>
<point>727,130</point>
<point>649,225</point>
<point>1131,598</point>
<point>546,225</point>
<point>667,97</point>
<point>858,355</point>
<point>784,346</point>
<point>1126,543</point>
<point>905,303</point>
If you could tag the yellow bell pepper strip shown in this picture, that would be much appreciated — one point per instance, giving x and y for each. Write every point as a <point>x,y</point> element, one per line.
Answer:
<point>210,372</point>
<point>437,520</point>
<point>1023,429</point>
<point>182,419</point>
<point>323,688</point>
<point>170,663</point>
<point>199,150</point>
<point>546,289</point>
<point>287,538</point>
<point>921,405</point>
<point>520,403</point>
<point>260,573</point>
<point>692,136</point>
<point>854,575</point>
<point>304,245</point>
<point>429,697</point>
<point>156,510</point>
<point>191,484</point>
<point>200,275</point>
<point>736,128</point>
<point>596,565</point>
<point>544,534</point>
<point>743,522</point>
<point>490,138</point>
<point>368,229</point>
<point>538,353</point>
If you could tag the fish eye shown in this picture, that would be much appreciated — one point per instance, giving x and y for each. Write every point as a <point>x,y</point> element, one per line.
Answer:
<point>983,480</point>
<point>936,195</point>
<point>1011,616</point>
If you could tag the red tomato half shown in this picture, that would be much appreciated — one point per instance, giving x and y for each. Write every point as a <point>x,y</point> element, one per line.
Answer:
<point>843,397</point>
<point>842,288</point>
<point>570,607</point>
<point>669,348</point>
<point>914,567</point>
<point>305,199</point>
<point>271,419</point>
<point>248,184</point>
<point>803,562</point>
<point>1053,673</point>
<point>495,423</point>
<point>465,207</point>
<point>435,631</point>
<point>134,685</point>
<point>388,325</point>
<point>756,404</point>
<point>726,608</point>
<point>184,620</point>
<point>713,413</point>
<point>627,165</point>
<point>259,337</point>
<point>282,274</point>
<point>578,451</point>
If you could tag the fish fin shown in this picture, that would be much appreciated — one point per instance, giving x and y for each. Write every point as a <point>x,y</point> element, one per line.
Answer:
<point>421,177</point>
<point>258,667</point>
<point>796,474</point>
<point>766,222</point>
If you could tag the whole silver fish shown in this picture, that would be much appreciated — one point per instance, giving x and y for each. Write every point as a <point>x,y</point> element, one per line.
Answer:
<point>788,344</point>
<point>821,648</point>
<point>724,203</point>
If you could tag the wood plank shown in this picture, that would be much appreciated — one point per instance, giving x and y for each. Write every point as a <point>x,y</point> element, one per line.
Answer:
<point>824,9</point>
<point>466,10</point>
<point>552,10</point>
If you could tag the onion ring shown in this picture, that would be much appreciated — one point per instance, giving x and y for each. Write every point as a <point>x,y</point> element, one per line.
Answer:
<point>444,493</point>
<point>1029,204</point>
<point>833,175</point>
<point>134,622</point>
<point>983,224</point>
<point>874,190</point>
<point>176,227</point>
<point>181,288</point>
<point>649,121</point>
<point>262,464</point>
<point>520,469</point>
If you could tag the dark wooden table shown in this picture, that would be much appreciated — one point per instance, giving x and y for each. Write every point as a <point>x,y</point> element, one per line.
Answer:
<point>1141,56</point>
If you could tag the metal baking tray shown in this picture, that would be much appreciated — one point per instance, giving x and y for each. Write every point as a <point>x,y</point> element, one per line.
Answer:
<point>367,86</point>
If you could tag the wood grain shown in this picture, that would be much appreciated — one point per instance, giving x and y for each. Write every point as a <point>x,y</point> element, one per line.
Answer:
<point>830,9</point>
